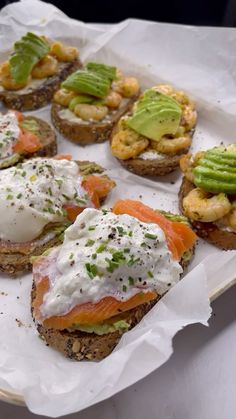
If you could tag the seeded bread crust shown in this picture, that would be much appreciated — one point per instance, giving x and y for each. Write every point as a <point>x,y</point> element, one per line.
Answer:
<point>79,345</point>
<point>93,132</point>
<point>14,261</point>
<point>42,95</point>
<point>210,232</point>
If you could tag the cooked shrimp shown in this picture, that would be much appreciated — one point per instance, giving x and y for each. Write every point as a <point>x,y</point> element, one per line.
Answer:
<point>187,163</point>
<point>63,97</point>
<point>166,89</point>
<point>189,117</point>
<point>46,67</point>
<point>200,206</point>
<point>126,86</point>
<point>7,81</point>
<point>171,145</point>
<point>90,112</point>
<point>113,100</point>
<point>64,53</point>
<point>127,144</point>
<point>230,218</point>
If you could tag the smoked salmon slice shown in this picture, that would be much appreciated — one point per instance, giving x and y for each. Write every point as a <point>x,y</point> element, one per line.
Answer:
<point>27,142</point>
<point>88,313</point>
<point>98,188</point>
<point>179,236</point>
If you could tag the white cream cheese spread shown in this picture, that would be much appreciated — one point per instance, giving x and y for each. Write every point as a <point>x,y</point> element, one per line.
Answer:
<point>151,155</point>
<point>104,254</point>
<point>34,193</point>
<point>9,133</point>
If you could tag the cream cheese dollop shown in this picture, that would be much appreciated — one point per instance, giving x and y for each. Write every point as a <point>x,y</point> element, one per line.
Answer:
<point>104,254</point>
<point>9,133</point>
<point>32,195</point>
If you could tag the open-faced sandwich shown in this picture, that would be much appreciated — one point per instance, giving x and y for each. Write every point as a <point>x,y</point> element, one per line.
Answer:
<point>208,194</point>
<point>39,198</point>
<point>34,71</point>
<point>91,101</point>
<point>109,272</point>
<point>152,138</point>
<point>23,137</point>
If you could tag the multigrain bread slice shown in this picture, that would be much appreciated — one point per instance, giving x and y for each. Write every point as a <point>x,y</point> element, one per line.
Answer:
<point>154,167</point>
<point>89,132</point>
<point>80,345</point>
<point>48,141</point>
<point>212,233</point>
<point>40,95</point>
<point>16,258</point>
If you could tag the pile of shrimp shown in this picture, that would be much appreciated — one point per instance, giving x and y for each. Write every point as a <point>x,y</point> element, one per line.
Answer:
<point>203,206</point>
<point>127,144</point>
<point>46,67</point>
<point>122,87</point>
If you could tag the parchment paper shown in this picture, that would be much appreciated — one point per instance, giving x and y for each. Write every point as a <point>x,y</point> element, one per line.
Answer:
<point>201,61</point>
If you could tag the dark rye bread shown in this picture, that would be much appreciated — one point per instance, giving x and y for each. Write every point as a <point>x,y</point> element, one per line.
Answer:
<point>41,95</point>
<point>91,132</point>
<point>79,345</point>
<point>16,259</point>
<point>47,138</point>
<point>156,167</point>
<point>210,232</point>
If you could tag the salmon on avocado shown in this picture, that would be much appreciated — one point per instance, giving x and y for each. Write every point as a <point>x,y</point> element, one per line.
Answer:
<point>23,137</point>
<point>110,270</point>
<point>39,198</point>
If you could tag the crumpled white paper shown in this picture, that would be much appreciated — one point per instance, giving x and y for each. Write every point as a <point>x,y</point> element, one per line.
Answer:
<point>199,60</point>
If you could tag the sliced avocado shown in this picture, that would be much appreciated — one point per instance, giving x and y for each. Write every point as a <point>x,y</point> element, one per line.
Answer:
<point>88,83</point>
<point>216,171</point>
<point>103,328</point>
<point>155,115</point>
<point>27,52</point>
<point>103,69</point>
<point>30,125</point>
<point>80,99</point>
<point>10,161</point>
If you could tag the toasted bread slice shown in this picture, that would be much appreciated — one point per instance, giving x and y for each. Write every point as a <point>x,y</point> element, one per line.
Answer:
<point>47,138</point>
<point>35,97</point>
<point>80,345</point>
<point>212,233</point>
<point>89,132</point>
<point>15,258</point>
<point>155,167</point>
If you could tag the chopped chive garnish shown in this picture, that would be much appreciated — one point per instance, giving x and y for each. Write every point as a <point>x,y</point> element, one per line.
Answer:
<point>118,257</point>
<point>124,288</point>
<point>50,191</point>
<point>126,250</point>
<point>130,234</point>
<point>150,274</point>
<point>59,181</point>
<point>94,256</point>
<point>132,261</point>
<point>104,211</point>
<point>150,236</point>
<point>101,248</point>
<point>23,173</point>
<point>121,231</point>
<point>66,196</point>
<point>9,197</point>
<point>51,210</point>
<point>143,244</point>
<point>71,255</point>
<point>91,269</point>
<point>90,243</point>
<point>49,200</point>
<point>19,195</point>
<point>8,189</point>
<point>81,201</point>
<point>111,265</point>
<point>131,280</point>
<point>91,228</point>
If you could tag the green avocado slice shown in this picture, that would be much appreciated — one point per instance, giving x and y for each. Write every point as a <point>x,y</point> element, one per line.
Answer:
<point>27,52</point>
<point>155,115</point>
<point>216,171</point>
<point>103,328</point>
<point>104,70</point>
<point>80,99</point>
<point>88,83</point>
